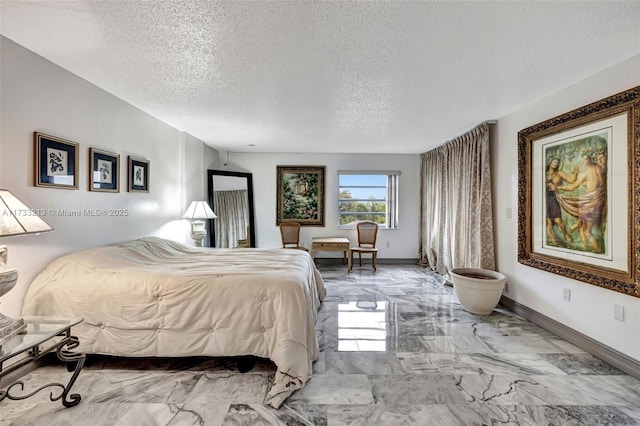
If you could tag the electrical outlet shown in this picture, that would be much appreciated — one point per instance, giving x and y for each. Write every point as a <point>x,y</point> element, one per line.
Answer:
<point>566,294</point>
<point>618,312</point>
<point>509,214</point>
<point>388,244</point>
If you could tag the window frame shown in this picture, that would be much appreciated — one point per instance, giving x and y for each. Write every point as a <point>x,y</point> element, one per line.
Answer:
<point>390,200</point>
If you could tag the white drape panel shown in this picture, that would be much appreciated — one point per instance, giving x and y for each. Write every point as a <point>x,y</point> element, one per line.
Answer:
<point>232,209</point>
<point>392,201</point>
<point>456,224</point>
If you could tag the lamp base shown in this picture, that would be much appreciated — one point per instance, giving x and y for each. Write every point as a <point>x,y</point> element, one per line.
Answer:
<point>198,232</point>
<point>10,327</point>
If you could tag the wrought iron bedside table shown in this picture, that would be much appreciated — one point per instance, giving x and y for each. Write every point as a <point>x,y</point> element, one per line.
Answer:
<point>44,335</point>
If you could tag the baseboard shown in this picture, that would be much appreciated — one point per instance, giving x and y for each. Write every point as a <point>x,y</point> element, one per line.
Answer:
<point>586,343</point>
<point>366,260</point>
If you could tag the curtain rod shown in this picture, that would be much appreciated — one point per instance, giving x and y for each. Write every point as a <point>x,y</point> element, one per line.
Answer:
<point>442,145</point>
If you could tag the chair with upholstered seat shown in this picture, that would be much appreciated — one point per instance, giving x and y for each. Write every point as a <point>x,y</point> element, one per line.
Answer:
<point>245,242</point>
<point>367,235</point>
<point>290,234</point>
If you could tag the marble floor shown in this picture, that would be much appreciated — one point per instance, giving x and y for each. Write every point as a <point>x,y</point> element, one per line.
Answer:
<point>396,349</point>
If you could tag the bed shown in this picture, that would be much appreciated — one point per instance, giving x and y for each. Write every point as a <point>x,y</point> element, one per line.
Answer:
<point>156,297</point>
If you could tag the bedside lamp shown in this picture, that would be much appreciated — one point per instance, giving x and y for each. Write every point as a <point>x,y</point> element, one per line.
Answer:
<point>15,219</point>
<point>199,210</point>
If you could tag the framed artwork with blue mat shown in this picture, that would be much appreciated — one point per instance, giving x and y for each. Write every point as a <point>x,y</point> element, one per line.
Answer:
<point>56,162</point>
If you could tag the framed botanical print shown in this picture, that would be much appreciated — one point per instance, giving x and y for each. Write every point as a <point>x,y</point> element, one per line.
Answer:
<point>56,162</point>
<point>138,175</point>
<point>578,194</point>
<point>300,195</point>
<point>104,171</point>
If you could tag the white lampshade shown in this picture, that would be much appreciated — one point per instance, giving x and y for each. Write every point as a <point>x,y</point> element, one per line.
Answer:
<point>199,210</point>
<point>16,218</point>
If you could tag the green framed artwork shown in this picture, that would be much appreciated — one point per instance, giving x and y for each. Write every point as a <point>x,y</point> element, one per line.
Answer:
<point>300,196</point>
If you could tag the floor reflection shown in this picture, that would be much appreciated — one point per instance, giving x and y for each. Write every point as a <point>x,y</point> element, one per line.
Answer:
<point>407,354</point>
<point>362,326</point>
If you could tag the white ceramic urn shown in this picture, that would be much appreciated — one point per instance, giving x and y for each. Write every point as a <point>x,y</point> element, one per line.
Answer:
<point>478,290</point>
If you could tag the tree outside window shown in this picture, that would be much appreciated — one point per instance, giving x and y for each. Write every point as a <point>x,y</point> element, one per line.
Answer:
<point>367,196</point>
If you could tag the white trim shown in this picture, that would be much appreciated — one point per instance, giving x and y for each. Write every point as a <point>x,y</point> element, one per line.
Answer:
<point>586,343</point>
<point>370,172</point>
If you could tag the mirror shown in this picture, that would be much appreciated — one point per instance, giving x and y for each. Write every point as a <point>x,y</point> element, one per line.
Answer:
<point>231,198</point>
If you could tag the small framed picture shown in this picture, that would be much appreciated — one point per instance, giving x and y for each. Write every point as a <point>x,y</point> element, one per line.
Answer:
<point>138,175</point>
<point>104,171</point>
<point>56,164</point>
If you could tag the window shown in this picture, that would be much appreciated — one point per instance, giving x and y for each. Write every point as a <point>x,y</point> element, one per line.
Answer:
<point>368,195</point>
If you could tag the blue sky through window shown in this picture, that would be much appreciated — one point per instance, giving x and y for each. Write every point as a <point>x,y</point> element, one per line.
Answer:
<point>352,181</point>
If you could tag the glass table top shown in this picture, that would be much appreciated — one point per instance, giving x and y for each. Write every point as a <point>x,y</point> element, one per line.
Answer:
<point>39,330</point>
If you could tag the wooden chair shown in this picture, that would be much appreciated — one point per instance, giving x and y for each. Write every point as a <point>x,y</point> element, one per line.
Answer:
<point>246,242</point>
<point>290,234</point>
<point>367,234</point>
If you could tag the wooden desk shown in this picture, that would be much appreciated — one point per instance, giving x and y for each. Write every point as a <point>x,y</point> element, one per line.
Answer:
<point>331,244</point>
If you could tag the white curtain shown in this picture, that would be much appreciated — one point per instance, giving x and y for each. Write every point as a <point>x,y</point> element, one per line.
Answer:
<point>456,224</point>
<point>232,209</point>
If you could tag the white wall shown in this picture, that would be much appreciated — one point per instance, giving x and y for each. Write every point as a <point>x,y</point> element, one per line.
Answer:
<point>36,95</point>
<point>590,310</point>
<point>398,244</point>
<point>229,183</point>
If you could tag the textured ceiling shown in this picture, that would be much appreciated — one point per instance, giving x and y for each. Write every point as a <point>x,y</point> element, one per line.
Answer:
<point>336,76</point>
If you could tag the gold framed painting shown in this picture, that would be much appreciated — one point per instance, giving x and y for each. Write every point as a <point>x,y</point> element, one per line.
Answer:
<point>578,184</point>
<point>300,196</point>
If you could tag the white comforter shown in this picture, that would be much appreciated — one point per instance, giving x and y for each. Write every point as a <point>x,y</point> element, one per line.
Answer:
<point>154,297</point>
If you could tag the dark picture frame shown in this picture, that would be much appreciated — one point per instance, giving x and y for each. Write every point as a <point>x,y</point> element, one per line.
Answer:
<point>217,179</point>
<point>578,194</point>
<point>56,162</point>
<point>300,195</point>
<point>138,174</point>
<point>104,171</point>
